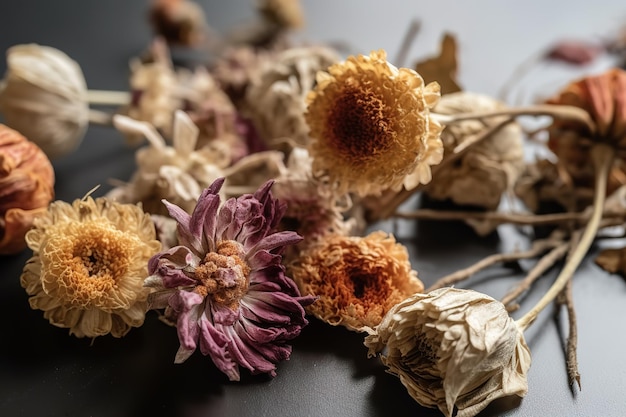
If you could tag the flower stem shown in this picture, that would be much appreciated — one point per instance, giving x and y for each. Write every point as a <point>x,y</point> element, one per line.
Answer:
<point>108,98</point>
<point>602,156</point>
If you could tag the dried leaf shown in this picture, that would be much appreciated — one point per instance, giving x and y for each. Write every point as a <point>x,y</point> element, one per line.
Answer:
<point>443,67</point>
<point>613,261</point>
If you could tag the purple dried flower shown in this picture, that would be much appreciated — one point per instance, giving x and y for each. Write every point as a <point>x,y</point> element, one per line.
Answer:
<point>224,287</point>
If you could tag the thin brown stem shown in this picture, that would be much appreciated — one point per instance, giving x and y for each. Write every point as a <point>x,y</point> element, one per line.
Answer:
<point>562,112</point>
<point>566,297</point>
<point>545,263</point>
<point>602,156</point>
<point>495,216</point>
<point>538,247</point>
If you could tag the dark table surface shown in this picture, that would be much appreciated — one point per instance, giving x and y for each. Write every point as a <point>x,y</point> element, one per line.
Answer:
<point>46,372</point>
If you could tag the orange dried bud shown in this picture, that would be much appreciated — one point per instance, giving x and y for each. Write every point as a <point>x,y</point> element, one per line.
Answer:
<point>604,98</point>
<point>26,187</point>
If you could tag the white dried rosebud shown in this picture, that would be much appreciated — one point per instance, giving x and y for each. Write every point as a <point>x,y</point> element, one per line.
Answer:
<point>453,349</point>
<point>44,97</point>
<point>487,169</point>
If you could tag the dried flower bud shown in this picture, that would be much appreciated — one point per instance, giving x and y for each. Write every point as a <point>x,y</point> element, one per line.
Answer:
<point>26,188</point>
<point>283,13</point>
<point>489,167</point>
<point>574,52</point>
<point>178,21</point>
<point>453,349</point>
<point>45,98</point>
<point>604,98</point>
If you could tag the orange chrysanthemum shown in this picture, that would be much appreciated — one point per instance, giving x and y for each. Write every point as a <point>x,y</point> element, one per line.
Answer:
<point>89,261</point>
<point>357,279</point>
<point>371,127</point>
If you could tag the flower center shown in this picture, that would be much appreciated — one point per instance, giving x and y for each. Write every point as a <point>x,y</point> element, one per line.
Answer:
<point>358,125</point>
<point>223,275</point>
<point>86,264</point>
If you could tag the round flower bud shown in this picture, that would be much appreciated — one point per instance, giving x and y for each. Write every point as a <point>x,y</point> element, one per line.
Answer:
<point>26,187</point>
<point>453,349</point>
<point>44,97</point>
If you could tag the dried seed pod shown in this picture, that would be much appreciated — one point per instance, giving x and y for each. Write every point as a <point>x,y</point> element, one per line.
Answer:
<point>45,98</point>
<point>26,188</point>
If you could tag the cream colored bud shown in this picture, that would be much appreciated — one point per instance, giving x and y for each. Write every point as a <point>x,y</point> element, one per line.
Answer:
<point>453,349</point>
<point>44,97</point>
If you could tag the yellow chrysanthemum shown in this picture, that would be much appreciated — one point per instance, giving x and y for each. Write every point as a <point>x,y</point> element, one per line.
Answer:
<point>89,263</point>
<point>371,127</point>
<point>357,279</point>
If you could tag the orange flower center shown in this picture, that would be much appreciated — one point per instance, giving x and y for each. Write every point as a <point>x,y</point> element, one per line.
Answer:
<point>87,265</point>
<point>357,123</point>
<point>223,275</point>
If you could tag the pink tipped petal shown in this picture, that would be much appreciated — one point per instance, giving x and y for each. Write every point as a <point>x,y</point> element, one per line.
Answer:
<point>188,306</point>
<point>277,241</point>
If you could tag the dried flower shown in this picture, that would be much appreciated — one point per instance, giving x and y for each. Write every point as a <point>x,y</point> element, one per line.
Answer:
<point>453,349</point>
<point>313,209</point>
<point>177,173</point>
<point>574,52</point>
<point>604,98</point>
<point>371,127</point>
<point>357,279</point>
<point>224,287</point>
<point>89,262</point>
<point>488,168</point>
<point>276,98</point>
<point>283,13</point>
<point>26,187</point>
<point>178,21</point>
<point>44,97</point>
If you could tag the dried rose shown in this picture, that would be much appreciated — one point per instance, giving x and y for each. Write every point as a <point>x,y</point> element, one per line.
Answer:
<point>89,261</point>
<point>224,287</point>
<point>453,349</point>
<point>488,168</point>
<point>26,188</point>
<point>45,98</point>
<point>604,98</point>
<point>371,127</point>
<point>357,279</point>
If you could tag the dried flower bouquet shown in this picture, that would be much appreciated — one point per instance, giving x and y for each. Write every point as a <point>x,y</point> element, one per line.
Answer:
<point>257,198</point>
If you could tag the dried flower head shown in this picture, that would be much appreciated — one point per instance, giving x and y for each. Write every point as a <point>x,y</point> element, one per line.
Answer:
<point>286,14</point>
<point>357,279</point>
<point>178,21</point>
<point>488,168</point>
<point>89,261</point>
<point>26,187</point>
<point>276,98</point>
<point>604,98</point>
<point>224,287</point>
<point>313,209</point>
<point>371,127</point>
<point>177,173</point>
<point>453,349</point>
<point>44,97</point>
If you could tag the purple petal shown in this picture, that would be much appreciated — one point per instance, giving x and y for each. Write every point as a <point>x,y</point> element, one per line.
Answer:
<point>277,241</point>
<point>215,344</point>
<point>188,305</point>
<point>203,220</point>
